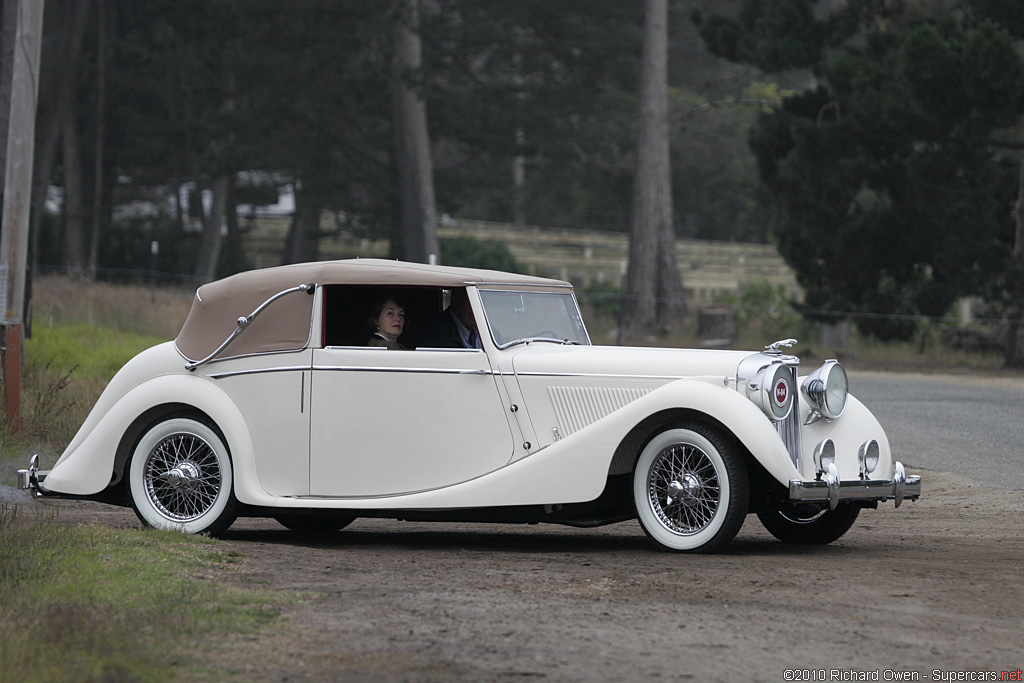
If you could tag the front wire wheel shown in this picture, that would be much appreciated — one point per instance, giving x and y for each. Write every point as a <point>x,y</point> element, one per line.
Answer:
<point>180,477</point>
<point>690,488</point>
<point>810,526</point>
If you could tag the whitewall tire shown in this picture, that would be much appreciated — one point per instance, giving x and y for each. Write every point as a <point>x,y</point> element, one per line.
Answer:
<point>180,477</point>
<point>691,489</point>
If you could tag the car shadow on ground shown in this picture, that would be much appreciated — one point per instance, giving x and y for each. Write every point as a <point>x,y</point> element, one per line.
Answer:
<point>384,534</point>
<point>526,539</point>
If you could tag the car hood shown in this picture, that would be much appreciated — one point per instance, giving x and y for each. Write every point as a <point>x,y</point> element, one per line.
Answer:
<point>625,361</point>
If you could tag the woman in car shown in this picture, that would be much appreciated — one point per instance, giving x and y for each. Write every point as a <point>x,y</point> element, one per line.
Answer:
<point>387,320</point>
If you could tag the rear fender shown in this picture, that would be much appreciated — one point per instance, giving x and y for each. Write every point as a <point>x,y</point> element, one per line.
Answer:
<point>88,465</point>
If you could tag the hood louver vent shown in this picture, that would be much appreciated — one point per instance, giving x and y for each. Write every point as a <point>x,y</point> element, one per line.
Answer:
<point>577,407</point>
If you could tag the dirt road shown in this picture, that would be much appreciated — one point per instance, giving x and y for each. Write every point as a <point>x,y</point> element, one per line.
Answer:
<point>932,591</point>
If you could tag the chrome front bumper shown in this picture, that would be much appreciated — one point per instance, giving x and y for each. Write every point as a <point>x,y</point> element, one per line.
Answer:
<point>831,489</point>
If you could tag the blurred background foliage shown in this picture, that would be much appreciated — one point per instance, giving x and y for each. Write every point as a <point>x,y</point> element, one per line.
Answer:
<point>876,142</point>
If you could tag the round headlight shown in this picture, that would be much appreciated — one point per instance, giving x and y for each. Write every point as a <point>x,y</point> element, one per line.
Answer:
<point>868,457</point>
<point>772,390</point>
<point>827,389</point>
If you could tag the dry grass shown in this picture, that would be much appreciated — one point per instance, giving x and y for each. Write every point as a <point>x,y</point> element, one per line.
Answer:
<point>156,312</point>
<point>82,332</point>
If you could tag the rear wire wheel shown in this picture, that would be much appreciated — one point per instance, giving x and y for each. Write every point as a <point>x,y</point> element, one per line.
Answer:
<point>691,489</point>
<point>180,477</point>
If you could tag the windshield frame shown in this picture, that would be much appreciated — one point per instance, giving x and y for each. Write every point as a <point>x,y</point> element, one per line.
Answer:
<point>582,339</point>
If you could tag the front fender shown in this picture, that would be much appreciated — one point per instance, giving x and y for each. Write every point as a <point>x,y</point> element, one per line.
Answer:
<point>856,426</point>
<point>709,396</point>
<point>87,466</point>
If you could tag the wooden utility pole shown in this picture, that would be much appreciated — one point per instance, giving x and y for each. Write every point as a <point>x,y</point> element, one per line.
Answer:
<point>18,198</point>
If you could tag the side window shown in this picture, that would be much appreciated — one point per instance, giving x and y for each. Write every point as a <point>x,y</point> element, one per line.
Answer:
<point>348,310</point>
<point>341,324</point>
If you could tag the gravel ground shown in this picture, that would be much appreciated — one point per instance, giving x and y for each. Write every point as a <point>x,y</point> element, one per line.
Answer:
<point>931,591</point>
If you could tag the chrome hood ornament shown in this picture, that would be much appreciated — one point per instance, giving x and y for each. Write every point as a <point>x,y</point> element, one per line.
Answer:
<point>776,346</point>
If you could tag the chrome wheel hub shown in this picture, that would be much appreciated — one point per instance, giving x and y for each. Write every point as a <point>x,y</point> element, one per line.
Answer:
<point>684,491</point>
<point>185,475</point>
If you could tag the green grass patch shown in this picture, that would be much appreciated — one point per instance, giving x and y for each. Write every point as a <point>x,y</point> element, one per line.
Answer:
<point>97,351</point>
<point>67,366</point>
<point>93,603</point>
<point>89,603</point>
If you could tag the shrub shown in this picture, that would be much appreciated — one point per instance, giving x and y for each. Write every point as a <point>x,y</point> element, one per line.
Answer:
<point>765,310</point>
<point>602,299</point>
<point>471,252</point>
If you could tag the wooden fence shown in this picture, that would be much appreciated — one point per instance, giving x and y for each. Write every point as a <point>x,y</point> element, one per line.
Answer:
<point>584,257</point>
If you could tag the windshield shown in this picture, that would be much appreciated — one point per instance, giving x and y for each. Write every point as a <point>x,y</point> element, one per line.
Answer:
<point>527,316</point>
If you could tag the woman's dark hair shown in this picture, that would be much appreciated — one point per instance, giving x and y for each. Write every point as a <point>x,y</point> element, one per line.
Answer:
<point>378,308</point>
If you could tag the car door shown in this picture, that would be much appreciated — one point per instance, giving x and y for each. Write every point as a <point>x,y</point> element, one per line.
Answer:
<point>387,422</point>
<point>272,392</point>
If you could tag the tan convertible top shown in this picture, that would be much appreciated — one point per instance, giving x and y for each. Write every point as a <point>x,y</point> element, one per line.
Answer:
<point>285,324</point>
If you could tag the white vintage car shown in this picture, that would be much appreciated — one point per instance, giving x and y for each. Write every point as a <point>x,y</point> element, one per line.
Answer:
<point>271,403</point>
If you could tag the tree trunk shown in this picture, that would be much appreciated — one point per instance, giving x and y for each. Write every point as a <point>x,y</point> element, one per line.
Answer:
<point>97,203</point>
<point>213,226</point>
<point>57,97</point>
<point>234,261</point>
<point>412,140</point>
<point>303,241</point>
<point>42,172</point>
<point>654,290</point>
<point>1013,356</point>
<point>75,253</point>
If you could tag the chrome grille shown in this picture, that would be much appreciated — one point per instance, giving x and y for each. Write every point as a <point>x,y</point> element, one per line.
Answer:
<point>789,429</point>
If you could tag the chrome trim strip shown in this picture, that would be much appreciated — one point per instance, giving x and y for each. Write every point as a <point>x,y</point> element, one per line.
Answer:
<point>259,371</point>
<point>524,285</point>
<point>588,374</point>
<point>436,371</point>
<point>354,368</point>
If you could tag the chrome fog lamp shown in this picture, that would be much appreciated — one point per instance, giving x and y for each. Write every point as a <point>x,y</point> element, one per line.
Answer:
<point>867,456</point>
<point>827,389</point>
<point>824,455</point>
<point>772,390</point>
